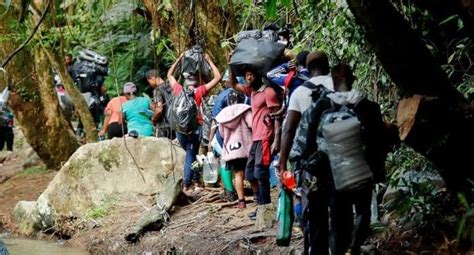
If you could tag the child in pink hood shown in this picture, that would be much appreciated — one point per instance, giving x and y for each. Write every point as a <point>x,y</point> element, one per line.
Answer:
<point>235,122</point>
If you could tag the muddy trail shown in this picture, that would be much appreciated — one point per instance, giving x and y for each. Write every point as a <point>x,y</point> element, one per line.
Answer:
<point>202,223</point>
<point>18,184</point>
<point>207,226</point>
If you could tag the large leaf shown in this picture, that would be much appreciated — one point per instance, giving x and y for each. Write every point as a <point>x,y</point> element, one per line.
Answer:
<point>270,9</point>
<point>7,4</point>
<point>224,3</point>
<point>286,3</point>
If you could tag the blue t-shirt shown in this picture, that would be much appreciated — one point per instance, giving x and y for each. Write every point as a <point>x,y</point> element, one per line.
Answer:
<point>221,102</point>
<point>137,113</point>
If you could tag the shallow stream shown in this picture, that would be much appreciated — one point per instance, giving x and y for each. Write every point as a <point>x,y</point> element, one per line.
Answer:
<point>39,247</point>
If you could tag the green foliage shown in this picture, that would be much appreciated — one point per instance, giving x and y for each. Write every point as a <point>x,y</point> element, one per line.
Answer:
<point>111,28</point>
<point>448,41</point>
<point>271,9</point>
<point>420,203</point>
<point>328,26</point>
<point>466,224</point>
<point>34,170</point>
<point>100,211</point>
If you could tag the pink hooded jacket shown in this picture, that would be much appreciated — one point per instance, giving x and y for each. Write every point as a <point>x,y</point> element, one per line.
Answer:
<point>235,122</point>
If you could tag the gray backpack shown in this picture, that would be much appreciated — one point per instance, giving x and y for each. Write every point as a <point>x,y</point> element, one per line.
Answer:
<point>339,136</point>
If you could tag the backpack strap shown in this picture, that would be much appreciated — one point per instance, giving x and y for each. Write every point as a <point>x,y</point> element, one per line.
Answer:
<point>289,78</point>
<point>318,90</point>
<point>311,85</point>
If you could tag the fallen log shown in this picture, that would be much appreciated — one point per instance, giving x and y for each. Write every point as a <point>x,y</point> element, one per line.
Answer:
<point>154,218</point>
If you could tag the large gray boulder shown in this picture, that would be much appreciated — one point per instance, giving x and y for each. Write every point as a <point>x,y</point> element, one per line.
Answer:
<point>99,172</point>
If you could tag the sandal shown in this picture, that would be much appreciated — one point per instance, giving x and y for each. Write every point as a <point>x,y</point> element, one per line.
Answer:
<point>198,187</point>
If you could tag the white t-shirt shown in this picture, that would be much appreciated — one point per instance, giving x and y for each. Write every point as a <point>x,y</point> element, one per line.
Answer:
<point>300,100</point>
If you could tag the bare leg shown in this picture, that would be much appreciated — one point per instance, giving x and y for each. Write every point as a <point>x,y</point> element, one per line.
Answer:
<point>239,184</point>
<point>256,192</point>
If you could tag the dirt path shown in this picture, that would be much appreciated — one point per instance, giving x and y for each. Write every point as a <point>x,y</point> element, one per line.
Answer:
<point>16,185</point>
<point>204,228</point>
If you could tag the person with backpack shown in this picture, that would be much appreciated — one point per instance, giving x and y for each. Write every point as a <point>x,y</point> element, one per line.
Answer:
<point>235,122</point>
<point>226,97</point>
<point>186,118</point>
<point>314,196</point>
<point>162,95</point>
<point>290,75</point>
<point>137,111</point>
<point>351,133</point>
<point>265,133</point>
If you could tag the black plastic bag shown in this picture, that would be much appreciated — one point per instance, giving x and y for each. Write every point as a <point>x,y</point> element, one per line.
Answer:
<point>194,63</point>
<point>257,55</point>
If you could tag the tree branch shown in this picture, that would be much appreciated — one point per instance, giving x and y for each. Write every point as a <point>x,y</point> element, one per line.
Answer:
<point>43,16</point>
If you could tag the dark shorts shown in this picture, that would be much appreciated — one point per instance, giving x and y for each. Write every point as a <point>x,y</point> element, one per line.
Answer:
<point>115,130</point>
<point>258,161</point>
<point>236,164</point>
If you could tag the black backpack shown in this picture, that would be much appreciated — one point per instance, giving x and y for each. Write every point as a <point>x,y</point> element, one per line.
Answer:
<point>164,93</point>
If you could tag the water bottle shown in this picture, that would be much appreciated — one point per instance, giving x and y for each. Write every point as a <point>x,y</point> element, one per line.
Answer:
<point>298,211</point>
<point>226,177</point>
<point>374,216</point>
<point>210,167</point>
<point>273,169</point>
<point>288,180</point>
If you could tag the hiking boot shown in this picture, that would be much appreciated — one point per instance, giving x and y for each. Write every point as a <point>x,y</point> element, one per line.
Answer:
<point>241,205</point>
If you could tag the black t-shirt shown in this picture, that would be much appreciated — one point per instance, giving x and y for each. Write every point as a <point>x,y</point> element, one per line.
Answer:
<point>162,94</point>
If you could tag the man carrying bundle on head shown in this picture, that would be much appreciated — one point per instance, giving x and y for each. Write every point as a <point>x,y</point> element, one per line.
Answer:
<point>186,119</point>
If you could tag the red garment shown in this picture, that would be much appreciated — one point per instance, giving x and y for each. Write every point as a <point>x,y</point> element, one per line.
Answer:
<point>199,93</point>
<point>262,101</point>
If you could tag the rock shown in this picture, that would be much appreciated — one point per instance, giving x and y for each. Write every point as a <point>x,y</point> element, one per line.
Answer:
<point>3,248</point>
<point>25,215</point>
<point>30,158</point>
<point>265,217</point>
<point>24,150</point>
<point>6,155</point>
<point>393,192</point>
<point>105,171</point>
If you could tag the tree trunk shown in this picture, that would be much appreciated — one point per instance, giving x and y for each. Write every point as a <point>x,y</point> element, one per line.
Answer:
<point>443,125</point>
<point>33,99</point>
<point>213,22</point>
<point>80,104</point>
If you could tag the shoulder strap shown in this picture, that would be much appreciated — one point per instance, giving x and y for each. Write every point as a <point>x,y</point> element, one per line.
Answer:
<point>310,85</point>
<point>289,78</point>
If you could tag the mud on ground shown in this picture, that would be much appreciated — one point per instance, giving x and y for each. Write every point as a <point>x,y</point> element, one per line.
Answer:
<point>16,185</point>
<point>207,226</point>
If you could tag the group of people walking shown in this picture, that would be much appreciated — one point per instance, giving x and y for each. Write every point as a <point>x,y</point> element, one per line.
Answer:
<point>256,117</point>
